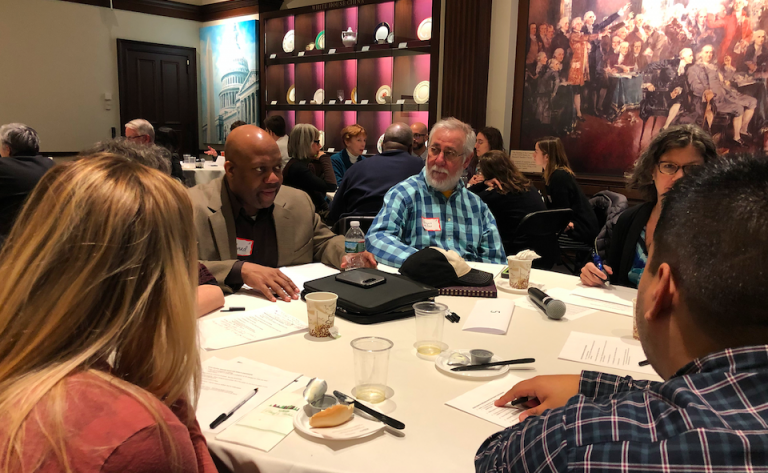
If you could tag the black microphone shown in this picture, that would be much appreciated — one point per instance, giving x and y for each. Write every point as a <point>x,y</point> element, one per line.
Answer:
<point>554,308</point>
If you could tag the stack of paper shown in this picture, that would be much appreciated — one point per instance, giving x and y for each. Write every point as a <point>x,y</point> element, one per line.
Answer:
<point>617,299</point>
<point>227,382</point>
<point>612,352</point>
<point>247,327</point>
<point>479,402</point>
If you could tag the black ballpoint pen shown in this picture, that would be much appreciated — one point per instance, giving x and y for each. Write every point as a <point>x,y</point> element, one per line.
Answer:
<point>233,309</point>
<point>227,415</point>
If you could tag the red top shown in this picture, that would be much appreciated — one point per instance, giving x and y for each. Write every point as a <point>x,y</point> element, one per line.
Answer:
<point>108,430</point>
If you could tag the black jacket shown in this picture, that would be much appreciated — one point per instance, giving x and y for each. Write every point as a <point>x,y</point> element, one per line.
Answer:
<point>18,176</point>
<point>298,175</point>
<point>626,232</point>
<point>563,192</point>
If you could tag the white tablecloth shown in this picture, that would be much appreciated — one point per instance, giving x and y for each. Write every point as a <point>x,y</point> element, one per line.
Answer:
<point>437,438</point>
<point>194,176</point>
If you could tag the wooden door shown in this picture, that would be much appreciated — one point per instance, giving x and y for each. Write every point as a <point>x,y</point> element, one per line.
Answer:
<point>158,83</point>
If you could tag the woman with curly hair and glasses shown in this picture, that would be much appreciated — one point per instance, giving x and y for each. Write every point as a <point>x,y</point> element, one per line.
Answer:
<point>99,363</point>
<point>672,154</point>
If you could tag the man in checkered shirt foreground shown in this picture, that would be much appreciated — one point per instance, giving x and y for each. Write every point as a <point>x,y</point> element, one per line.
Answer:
<point>703,323</point>
<point>433,208</point>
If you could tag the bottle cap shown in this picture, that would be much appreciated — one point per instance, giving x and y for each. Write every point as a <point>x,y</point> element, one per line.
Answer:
<point>354,223</point>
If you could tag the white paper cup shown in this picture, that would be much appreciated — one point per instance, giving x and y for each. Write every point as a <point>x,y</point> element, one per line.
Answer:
<point>321,310</point>
<point>519,272</point>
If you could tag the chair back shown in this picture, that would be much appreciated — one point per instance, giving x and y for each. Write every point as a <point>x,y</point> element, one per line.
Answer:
<point>544,222</point>
<point>344,224</point>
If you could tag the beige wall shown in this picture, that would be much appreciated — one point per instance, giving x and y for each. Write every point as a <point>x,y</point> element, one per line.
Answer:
<point>501,71</point>
<point>60,58</point>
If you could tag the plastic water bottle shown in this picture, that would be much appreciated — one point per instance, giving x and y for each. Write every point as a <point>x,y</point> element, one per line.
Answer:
<point>354,244</point>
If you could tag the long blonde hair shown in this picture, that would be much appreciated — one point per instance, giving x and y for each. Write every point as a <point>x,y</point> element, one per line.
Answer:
<point>100,265</point>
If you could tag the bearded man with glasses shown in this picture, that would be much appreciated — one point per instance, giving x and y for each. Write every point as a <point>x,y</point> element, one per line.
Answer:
<point>434,208</point>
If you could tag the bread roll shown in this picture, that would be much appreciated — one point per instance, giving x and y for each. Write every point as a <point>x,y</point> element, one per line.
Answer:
<point>333,416</point>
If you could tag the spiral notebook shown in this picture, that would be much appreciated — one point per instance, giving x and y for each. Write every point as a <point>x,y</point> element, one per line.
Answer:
<point>470,291</point>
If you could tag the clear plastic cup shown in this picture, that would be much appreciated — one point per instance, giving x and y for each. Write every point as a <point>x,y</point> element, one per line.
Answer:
<point>371,359</point>
<point>430,318</point>
<point>519,272</point>
<point>321,311</point>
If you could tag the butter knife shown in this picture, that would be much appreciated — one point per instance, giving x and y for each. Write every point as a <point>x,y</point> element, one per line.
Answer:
<point>375,414</point>
<point>495,363</point>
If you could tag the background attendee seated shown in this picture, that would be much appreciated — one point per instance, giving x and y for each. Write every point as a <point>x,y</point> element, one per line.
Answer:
<point>167,138</point>
<point>20,169</point>
<point>275,126</point>
<point>510,197</point>
<point>309,169</point>
<point>488,139</point>
<point>140,131</point>
<point>365,184</point>
<point>353,137</point>
<point>420,132</point>
<point>100,365</point>
<point>703,325</point>
<point>673,153</point>
<point>563,192</point>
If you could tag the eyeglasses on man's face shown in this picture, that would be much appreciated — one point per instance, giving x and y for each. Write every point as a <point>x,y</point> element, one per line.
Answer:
<point>449,154</point>
<point>671,169</point>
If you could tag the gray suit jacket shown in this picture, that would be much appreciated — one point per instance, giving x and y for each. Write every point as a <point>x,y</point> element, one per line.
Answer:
<point>301,236</point>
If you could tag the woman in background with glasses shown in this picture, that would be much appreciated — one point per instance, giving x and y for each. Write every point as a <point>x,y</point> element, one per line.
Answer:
<point>673,153</point>
<point>309,169</point>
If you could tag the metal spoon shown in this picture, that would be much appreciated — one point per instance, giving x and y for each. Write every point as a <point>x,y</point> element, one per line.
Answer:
<point>315,390</point>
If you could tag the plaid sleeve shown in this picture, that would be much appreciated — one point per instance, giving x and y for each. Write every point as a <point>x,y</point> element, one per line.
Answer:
<point>594,384</point>
<point>536,444</point>
<point>384,238</point>
<point>491,248</point>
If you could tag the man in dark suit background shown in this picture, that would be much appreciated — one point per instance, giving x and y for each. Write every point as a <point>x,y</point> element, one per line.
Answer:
<point>21,166</point>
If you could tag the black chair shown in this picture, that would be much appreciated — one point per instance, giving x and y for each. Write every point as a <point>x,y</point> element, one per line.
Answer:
<point>574,254</point>
<point>343,225</point>
<point>539,231</point>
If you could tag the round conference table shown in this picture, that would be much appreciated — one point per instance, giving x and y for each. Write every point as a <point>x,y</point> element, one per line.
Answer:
<point>437,437</point>
<point>194,176</point>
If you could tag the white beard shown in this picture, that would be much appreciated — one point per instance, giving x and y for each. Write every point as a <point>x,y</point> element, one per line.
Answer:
<point>447,184</point>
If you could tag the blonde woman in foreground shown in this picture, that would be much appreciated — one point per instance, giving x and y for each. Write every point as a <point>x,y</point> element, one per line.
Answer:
<point>99,365</point>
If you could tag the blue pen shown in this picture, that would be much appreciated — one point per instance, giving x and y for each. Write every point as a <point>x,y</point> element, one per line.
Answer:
<point>599,263</point>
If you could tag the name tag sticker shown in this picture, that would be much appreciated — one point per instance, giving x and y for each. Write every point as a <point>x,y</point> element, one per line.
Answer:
<point>431,224</point>
<point>244,247</point>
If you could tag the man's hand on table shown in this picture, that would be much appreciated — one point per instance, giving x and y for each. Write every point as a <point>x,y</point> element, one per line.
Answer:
<point>268,280</point>
<point>544,392</point>
<point>365,258</point>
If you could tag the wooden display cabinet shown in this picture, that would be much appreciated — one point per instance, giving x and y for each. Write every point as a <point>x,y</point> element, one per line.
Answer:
<point>339,70</point>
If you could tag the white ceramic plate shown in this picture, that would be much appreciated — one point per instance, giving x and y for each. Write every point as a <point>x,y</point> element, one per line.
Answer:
<point>322,139</point>
<point>355,428</point>
<point>320,40</point>
<point>391,38</point>
<point>425,30</point>
<point>421,92</point>
<point>291,95</point>
<point>288,42</point>
<point>380,142</point>
<point>441,363</point>
<point>319,96</point>
<point>382,94</point>
<point>503,285</point>
<point>354,95</point>
<point>382,32</point>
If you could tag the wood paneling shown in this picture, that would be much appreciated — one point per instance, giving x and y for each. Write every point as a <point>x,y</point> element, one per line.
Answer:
<point>466,53</point>
<point>214,11</point>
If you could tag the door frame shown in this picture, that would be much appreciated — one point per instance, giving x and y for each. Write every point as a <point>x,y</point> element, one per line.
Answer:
<point>124,45</point>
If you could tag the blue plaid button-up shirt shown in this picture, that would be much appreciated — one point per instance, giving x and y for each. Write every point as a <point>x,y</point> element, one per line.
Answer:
<point>711,416</point>
<point>416,216</point>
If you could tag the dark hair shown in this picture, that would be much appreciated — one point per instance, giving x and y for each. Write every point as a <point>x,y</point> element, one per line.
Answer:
<point>674,137</point>
<point>553,148</point>
<point>713,234</point>
<point>496,165</point>
<point>149,155</point>
<point>398,136</point>
<point>275,124</point>
<point>493,136</point>
<point>236,124</point>
<point>167,138</point>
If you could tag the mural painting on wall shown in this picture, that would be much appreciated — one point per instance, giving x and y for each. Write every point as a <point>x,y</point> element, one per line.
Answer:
<point>230,77</point>
<point>606,76</point>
